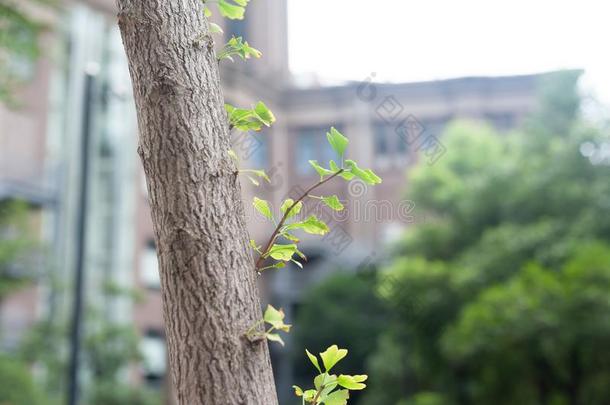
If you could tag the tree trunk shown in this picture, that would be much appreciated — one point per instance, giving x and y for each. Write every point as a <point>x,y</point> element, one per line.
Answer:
<point>208,280</point>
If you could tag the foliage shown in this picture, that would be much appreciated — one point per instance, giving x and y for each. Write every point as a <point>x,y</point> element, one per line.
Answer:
<point>15,240</point>
<point>342,308</point>
<point>282,246</point>
<point>18,45</point>
<point>238,47</point>
<point>330,389</point>
<point>500,296</point>
<point>17,386</point>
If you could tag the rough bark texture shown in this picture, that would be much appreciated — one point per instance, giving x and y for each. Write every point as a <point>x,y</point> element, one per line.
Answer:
<point>207,274</point>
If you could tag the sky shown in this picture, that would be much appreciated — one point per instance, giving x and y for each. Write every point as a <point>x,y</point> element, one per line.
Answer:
<point>402,40</point>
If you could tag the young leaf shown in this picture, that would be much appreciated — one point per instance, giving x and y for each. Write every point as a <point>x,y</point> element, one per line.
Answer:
<point>337,141</point>
<point>282,252</point>
<point>345,174</point>
<point>215,28</point>
<point>352,382</point>
<point>311,225</point>
<point>338,397</point>
<point>262,206</point>
<point>367,176</point>
<point>314,360</point>
<point>275,338</point>
<point>294,211</point>
<point>232,11</point>
<point>332,356</point>
<point>333,202</point>
<point>321,171</point>
<point>298,391</point>
<point>264,113</point>
<point>275,318</point>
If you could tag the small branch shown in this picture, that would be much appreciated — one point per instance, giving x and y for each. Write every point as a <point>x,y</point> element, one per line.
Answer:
<point>277,230</point>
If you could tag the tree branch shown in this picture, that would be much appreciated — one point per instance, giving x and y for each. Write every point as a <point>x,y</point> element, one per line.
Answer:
<point>276,232</point>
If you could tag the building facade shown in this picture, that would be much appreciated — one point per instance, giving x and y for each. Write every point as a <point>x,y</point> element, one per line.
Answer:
<point>390,126</point>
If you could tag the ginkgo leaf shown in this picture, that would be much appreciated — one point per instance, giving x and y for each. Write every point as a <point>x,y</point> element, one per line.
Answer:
<point>262,206</point>
<point>332,356</point>
<point>337,141</point>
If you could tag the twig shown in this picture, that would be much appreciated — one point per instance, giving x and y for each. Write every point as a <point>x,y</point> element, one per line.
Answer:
<point>276,232</point>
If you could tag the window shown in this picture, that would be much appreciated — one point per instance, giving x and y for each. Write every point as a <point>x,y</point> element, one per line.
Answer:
<point>259,153</point>
<point>311,144</point>
<point>381,140</point>
<point>154,357</point>
<point>149,267</point>
<point>390,148</point>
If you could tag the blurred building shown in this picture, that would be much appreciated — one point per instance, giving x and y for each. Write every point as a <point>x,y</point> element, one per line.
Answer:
<point>390,126</point>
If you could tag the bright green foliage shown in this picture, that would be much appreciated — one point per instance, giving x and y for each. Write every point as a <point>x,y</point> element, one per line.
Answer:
<point>274,318</point>
<point>250,120</point>
<point>344,308</point>
<point>290,208</point>
<point>263,208</point>
<point>231,9</point>
<point>337,141</point>
<point>330,389</point>
<point>237,47</point>
<point>326,386</point>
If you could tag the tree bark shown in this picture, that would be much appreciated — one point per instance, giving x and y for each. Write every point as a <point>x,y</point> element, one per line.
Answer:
<point>208,280</point>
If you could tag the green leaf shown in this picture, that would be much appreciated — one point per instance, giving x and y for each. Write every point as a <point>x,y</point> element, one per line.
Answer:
<point>367,176</point>
<point>325,380</point>
<point>259,173</point>
<point>215,28</point>
<point>275,338</point>
<point>232,11</point>
<point>332,356</point>
<point>290,237</point>
<point>298,391</point>
<point>207,12</point>
<point>344,174</point>
<point>264,113</point>
<point>262,206</point>
<point>321,171</point>
<point>337,141</point>
<point>352,382</point>
<point>275,318</point>
<point>314,360</point>
<point>309,395</point>
<point>338,397</point>
<point>282,252</point>
<point>294,211</point>
<point>333,202</point>
<point>311,225</point>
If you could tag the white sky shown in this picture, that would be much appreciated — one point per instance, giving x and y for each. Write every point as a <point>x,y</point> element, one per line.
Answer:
<point>402,40</point>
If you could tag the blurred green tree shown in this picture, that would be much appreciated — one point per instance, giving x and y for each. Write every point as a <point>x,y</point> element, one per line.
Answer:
<point>15,240</point>
<point>19,44</point>
<point>499,297</point>
<point>16,385</point>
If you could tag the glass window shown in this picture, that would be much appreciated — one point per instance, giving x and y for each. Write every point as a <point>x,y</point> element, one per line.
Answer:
<point>381,140</point>
<point>305,150</point>
<point>259,156</point>
<point>154,357</point>
<point>150,267</point>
